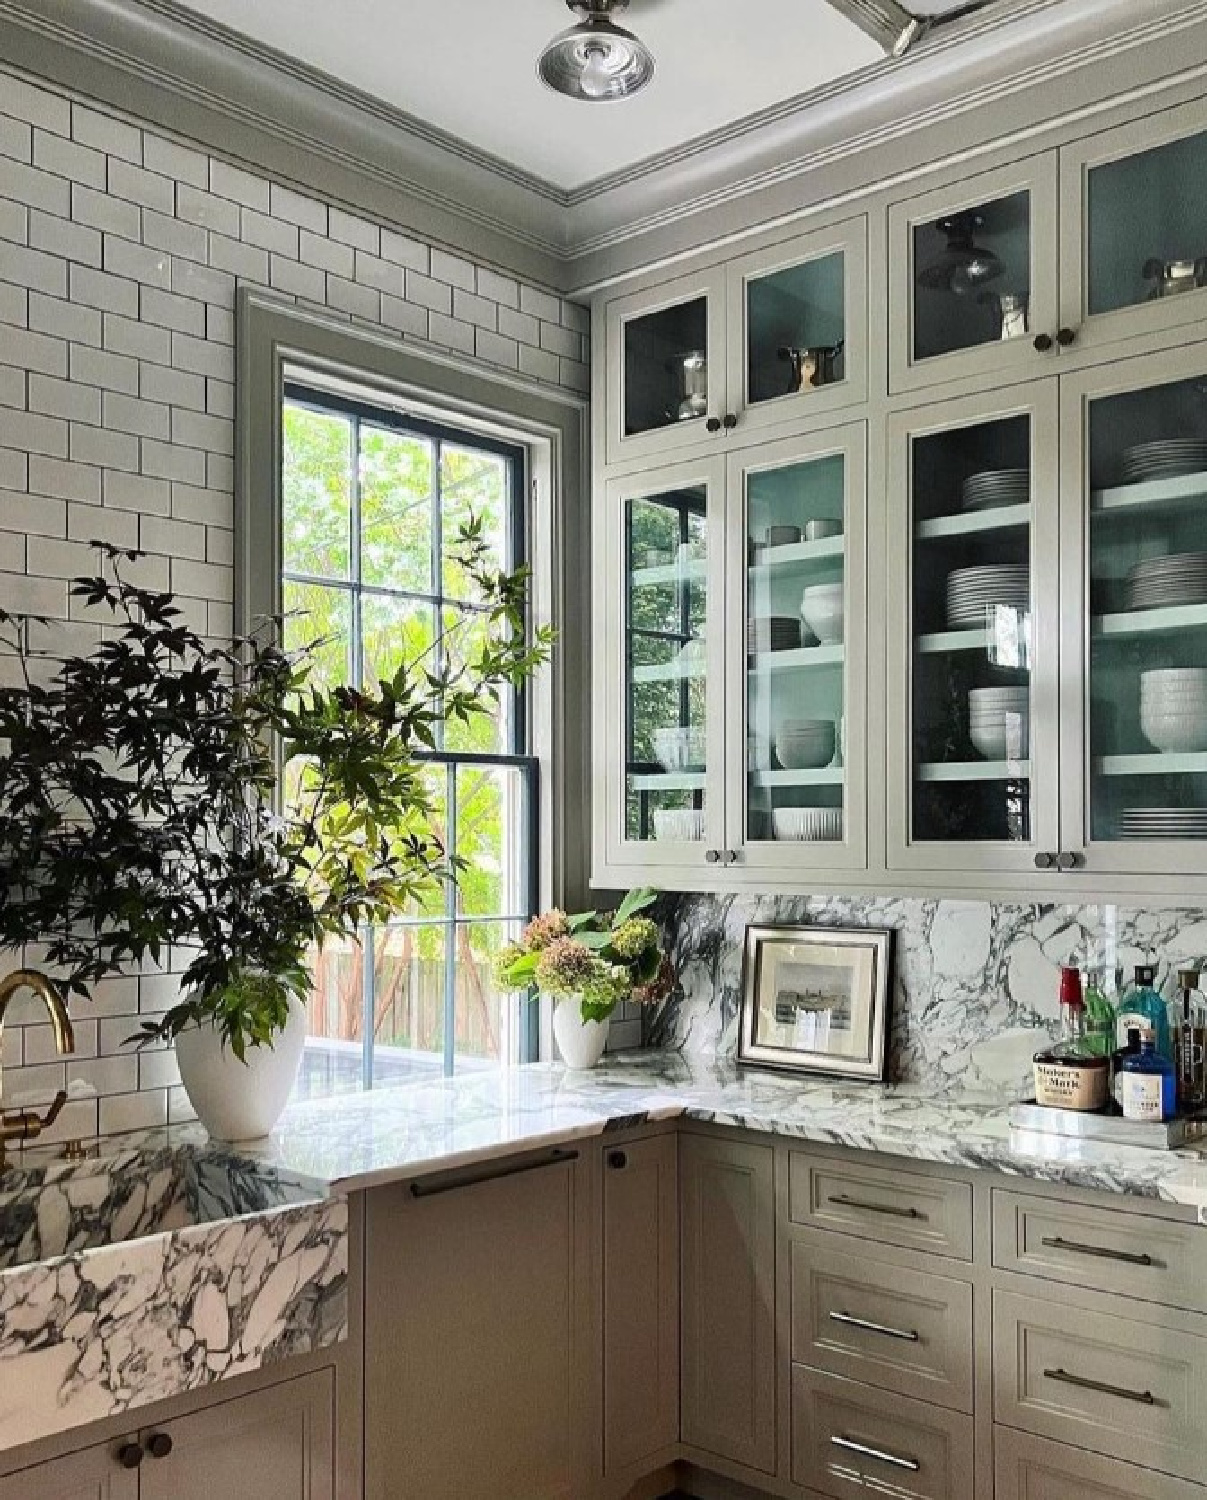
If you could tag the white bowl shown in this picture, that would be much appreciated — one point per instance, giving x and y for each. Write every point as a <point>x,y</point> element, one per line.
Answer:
<point>679,824</point>
<point>1002,742</point>
<point>822,608</point>
<point>1175,734</point>
<point>816,824</point>
<point>806,726</point>
<point>820,528</point>
<point>805,752</point>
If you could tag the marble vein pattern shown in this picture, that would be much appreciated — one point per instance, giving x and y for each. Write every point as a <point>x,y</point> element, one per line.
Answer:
<point>184,1266</point>
<point>975,984</point>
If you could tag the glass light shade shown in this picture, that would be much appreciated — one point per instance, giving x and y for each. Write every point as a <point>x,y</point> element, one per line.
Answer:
<point>963,266</point>
<point>596,61</point>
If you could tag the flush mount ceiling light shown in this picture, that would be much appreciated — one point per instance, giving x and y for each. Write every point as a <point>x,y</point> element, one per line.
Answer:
<point>596,60</point>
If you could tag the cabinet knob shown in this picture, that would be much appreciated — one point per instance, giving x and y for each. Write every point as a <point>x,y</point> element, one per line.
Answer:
<point>1045,861</point>
<point>130,1455</point>
<point>1043,342</point>
<point>713,856</point>
<point>159,1445</point>
<point>730,857</point>
<point>1066,336</point>
<point>617,1160</point>
<point>1067,860</point>
<point>713,424</point>
<point>730,421</point>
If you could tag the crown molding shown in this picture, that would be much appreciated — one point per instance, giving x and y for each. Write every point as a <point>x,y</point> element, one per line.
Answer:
<point>1010,70</point>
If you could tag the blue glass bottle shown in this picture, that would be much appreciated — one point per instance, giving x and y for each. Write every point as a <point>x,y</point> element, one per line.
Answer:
<point>1145,1010</point>
<point>1150,1083</point>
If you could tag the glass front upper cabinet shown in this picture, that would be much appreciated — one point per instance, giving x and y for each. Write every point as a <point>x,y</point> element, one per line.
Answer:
<point>977,681</point>
<point>1134,256</point>
<point>796,796</point>
<point>973,279</point>
<point>666,366</point>
<point>1145,581</point>
<point>667,720</point>
<point>797,327</point>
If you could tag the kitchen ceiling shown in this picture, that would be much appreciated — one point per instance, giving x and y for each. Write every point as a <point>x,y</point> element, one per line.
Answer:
<point>469,68</point>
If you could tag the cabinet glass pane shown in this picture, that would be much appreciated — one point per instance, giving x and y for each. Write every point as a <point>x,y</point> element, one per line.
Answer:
<point>972,646</point>
<point>972,273</point>
<point>666,609</point>
<point>795,615</point>
<point>666,367</point>
<point>795,329</point>
<point>1148,598</point>
<point>1147,225</point>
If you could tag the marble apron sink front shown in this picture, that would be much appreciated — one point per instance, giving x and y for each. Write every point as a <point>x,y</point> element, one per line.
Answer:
<point>139,1277</point>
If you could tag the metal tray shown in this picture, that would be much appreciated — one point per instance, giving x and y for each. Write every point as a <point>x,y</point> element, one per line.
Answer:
<point>1162,1135</point>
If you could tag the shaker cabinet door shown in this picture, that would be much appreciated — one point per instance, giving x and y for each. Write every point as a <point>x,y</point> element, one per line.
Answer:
<point>94,1474</point>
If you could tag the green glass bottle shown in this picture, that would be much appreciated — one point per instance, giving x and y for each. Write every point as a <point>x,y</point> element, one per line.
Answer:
<point>1100,1032</point>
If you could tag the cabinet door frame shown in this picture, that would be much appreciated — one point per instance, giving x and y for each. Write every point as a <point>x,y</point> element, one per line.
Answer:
<point>678,437</point>
<point>1164,316</point>
<point>849,440</point>
<point>90,1474</point>
<point>1104,857</point>
<point>1039,402</point>
<point>660,857</point>
<point>995,363</point>
<point>850,237</point>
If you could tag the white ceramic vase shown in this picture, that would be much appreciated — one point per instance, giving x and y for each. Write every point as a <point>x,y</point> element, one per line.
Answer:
<point>241,1101</point>
<point>581,1043</point>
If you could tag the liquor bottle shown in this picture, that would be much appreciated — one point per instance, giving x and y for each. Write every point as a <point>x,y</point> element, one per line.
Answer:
<point>1150,1086</point>
<point>1070,1074</point>
<point>1191,1033</point>
<point>1099,1016</point>
<point>1129,1049</point>
<point>1143,1007</point>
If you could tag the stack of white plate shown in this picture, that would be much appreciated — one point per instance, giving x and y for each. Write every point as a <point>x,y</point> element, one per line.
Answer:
<point>972,591</point>
<point>1173,709</point>
<point>772,633</point>
<point>1164,459</point>
<point>996,487</point>
<point>815,824</point>
<point>681,749</point>
<point>999,722</point>
<point>1163,823</point>
<point>805,744</point>
<point>679,824</point>
<point>1161,582</point>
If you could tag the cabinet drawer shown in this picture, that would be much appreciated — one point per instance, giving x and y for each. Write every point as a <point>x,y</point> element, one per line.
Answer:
<point>1151,1260</point>
<point>848,1440</point>
<point>897,1208</point>
<point>1031,1468</point>
<point>1115,1385</point>
<point>906,1331</point>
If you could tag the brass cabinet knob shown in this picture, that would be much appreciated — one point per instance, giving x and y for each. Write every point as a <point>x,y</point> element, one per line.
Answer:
<point>130,1455</point>
<point>159,1445</point>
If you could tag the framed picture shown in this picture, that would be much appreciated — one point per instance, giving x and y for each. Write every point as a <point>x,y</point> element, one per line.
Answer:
<point>816,1000</point>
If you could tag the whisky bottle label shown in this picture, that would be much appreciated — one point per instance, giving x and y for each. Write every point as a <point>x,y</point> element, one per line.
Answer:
<point>1142,1096</point>
<point>1059,1086</point>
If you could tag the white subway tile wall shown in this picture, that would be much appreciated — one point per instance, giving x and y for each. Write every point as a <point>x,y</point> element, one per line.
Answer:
<point>121,252</point>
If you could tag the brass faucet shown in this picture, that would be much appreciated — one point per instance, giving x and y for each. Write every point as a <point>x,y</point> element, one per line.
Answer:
<point>25,1124</point>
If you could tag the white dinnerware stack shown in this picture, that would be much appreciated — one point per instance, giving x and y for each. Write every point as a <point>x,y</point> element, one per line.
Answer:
<point>681,749</point>
<point>680,824</point>
<point>1166,458</point>
<point>823,608</point>
<point>1163,823</point>
<point>815,825</point>
<point>971,592</point>
<point>1173,709</point>
<point>805,744</point>
<point>999,722</point>
<point>771,633</point>
<point>996,487</point>
<point>1162,582</point>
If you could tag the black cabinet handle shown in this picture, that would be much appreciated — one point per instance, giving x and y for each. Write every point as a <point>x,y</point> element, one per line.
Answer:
<point>555,1158</point>
<point>730,421</point>
<point>713,424</point>
<point>1084,1383</point>
<point>159,1445</point>
<point>729,857</point>
<point>130,1455</point>
<point>1066,336</point>
<point>1043,342</point>
<point>617,1160</point>
<point>1044,861</point>
<point>844,1201</point>
<point>1100,1252</point>
<point>712,856</point>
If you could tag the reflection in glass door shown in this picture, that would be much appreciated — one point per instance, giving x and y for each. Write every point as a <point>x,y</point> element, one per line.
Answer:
<point>666,684</point>
<point>1147,452</point>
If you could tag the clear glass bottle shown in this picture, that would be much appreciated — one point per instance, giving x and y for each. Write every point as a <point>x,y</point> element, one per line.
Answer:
<point>1143,1008</point>
<point>1190,1030</point>
<point>1099,1016</point>
<point>1150,1089</point>
<point>1070,1074</point>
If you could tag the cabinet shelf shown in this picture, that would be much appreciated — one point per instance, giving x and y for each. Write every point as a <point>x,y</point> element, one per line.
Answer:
<point>824,776</point>
<point>975,770</point>
<point>1131,623</point>
<point>1152,763</point>
<point>803,659</point>
<point>975,523</point>
<point>954,640</point>
<point>695,570</point>
<point>1153,495</point>
<point>669,781</point>
<point>669,671</point>
<point>800,556</point>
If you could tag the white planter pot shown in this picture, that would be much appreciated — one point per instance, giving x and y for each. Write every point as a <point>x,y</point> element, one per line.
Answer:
<point>241,1101</point>
<point>581,1043</point>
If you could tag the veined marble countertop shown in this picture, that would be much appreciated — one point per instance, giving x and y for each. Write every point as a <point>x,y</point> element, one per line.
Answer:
<point>364,1140</point>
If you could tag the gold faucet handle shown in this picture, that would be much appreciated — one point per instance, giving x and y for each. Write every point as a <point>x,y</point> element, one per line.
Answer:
<point>53,1113</point>
<point>27,1124</point>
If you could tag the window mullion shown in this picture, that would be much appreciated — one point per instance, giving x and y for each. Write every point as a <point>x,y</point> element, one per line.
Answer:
<point>450,928</point>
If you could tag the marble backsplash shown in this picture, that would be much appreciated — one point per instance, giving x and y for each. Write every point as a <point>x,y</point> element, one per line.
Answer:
<point>974,984</point>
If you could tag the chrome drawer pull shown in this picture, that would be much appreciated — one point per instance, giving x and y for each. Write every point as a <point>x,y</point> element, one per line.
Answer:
<point>844,1201</point>
<point>910,1335</point>
<point>1058,1242</point>
<point>1145,1398</point>
<point>879,1454</point>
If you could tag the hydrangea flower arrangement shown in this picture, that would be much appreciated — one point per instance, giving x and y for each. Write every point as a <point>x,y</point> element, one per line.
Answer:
<point>603,957</point>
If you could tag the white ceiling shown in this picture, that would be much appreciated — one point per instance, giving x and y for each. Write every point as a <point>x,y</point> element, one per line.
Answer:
<point>469,67</point>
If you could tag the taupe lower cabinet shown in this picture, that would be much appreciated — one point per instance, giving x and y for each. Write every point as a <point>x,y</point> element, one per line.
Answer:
<point>279,1439</point>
